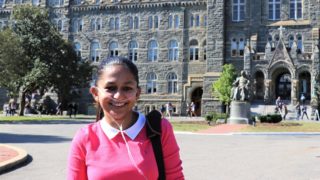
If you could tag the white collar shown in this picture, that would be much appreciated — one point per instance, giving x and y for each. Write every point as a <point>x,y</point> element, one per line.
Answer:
<point>132,131</point>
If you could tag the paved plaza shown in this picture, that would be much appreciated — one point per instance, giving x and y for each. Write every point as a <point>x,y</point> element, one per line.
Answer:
<point>205,156</point>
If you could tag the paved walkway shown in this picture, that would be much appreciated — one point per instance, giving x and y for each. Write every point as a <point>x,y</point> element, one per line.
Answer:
<point>11,156</point>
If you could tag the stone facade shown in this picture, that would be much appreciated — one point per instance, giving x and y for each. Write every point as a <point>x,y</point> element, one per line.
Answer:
<point>180,46</point>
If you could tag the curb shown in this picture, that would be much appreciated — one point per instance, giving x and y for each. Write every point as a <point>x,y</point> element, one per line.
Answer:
<point>14,160</point>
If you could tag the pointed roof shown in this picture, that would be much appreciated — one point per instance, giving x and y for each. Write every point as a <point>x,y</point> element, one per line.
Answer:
<point>280,54</point>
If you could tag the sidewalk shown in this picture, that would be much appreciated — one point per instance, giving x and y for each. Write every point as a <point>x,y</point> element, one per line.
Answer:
<point>10,157</point>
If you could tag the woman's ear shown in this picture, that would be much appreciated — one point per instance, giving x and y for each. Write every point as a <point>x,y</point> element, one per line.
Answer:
<point>138,93</point>
<point>95,93</point>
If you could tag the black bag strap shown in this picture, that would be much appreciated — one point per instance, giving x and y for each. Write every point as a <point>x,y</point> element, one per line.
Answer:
<point>153,120</point>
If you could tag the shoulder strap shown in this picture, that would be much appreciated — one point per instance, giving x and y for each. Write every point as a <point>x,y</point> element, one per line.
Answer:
<point>153,120</point>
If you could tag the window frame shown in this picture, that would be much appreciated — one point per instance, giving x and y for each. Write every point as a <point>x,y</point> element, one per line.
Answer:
<point>238,14</point>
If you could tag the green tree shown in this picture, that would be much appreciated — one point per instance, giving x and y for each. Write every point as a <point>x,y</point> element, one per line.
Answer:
<point>222,87</point>
<point>39,57</point>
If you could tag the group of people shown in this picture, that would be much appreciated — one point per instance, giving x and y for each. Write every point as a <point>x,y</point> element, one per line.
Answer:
<point>191,109</point>
<point>10,108</point>
<point>72,109</point>
<point>281,107</point>
<point>167,110</point>
<point>300,108</point>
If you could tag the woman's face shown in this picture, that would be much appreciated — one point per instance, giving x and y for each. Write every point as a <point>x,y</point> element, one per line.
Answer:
<point>116,92</point>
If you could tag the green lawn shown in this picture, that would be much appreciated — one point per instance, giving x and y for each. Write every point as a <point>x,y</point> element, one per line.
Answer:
<point>43,118</point>
<point>190,126</point>
<point>294,126</point>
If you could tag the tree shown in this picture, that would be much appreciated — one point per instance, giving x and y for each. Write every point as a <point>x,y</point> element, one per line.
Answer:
<point>222,87</point>
<point>35,56</point>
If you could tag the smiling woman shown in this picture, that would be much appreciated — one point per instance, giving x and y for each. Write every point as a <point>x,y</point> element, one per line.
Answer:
<point>111,147</point>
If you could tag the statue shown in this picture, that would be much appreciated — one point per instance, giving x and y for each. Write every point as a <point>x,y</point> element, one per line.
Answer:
<point>240,90</point>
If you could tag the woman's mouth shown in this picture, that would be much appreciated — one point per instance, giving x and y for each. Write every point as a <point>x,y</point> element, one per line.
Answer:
<point>117,104</point>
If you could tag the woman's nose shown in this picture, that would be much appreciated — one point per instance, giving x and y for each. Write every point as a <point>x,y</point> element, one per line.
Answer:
<point>117,94</point>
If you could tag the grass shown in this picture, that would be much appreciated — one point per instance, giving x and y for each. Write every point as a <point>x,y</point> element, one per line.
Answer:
<point>189,126</point>
<point>42,118</point>
<point>294,126</point>
<point>177,126</point>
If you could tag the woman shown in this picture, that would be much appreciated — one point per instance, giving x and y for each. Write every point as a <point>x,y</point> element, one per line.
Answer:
<point>116,146</point>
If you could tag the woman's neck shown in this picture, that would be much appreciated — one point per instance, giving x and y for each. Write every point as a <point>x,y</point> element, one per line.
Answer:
<point>125,124</point>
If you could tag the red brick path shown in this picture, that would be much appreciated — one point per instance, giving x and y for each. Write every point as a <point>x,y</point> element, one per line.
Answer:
<point>224,128</point>
<point>7,153</point>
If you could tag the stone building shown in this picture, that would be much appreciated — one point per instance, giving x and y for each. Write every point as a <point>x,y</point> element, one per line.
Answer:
<point>180,46</point>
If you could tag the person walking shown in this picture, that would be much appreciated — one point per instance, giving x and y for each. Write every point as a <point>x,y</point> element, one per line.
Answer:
<point>285,111</point>
<point>116,146</point>
<point>189,114</point>
<point>169,109</point>
<point>302,99</point>
<point>304,112</point>
<point>193,109</point>
<point>59,109</point>
<point>163,110</point>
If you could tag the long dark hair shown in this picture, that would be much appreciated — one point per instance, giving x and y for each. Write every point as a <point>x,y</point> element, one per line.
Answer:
<point>109,61</point>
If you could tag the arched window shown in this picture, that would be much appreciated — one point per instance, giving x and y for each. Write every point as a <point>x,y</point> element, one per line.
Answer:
<point>191,20</point>
<point>238,10</point>
<point>95,51</point>
<point>93,24</point>
<point>291,41</point>
<point>136,22</point>
<point>153,22</point>
<point>77,48</point>
<point>153,51</point>
<point>295,9</point>
<point>299,44</point>
<point>274,9</point>
<point>204,50</point>
<point>176,21</point>
<point>98,24</point>
<point>112,23</point>
<point>117,23</point>
<point>151,83</point>
<point>197,23</point>
<point>173,50</point>
<point>193,50</point>
<point>130,22</point>
<point>205,23</point>
<point>241,46</point>
<point>113,47</point>
<point>170,21</point>
<point>133,51</point>
<point>172,83</point>
<point>234,47</point>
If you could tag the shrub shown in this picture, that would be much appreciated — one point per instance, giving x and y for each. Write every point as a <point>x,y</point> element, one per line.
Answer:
<point>270,118</point>
<point>213,116</point>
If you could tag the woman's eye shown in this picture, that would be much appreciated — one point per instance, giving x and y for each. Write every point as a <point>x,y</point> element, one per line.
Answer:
<point>111,89</point>
<point>127,88</point>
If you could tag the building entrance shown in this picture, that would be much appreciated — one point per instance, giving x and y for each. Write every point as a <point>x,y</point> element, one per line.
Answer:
<point>283,86</point>
<point>196,97</point>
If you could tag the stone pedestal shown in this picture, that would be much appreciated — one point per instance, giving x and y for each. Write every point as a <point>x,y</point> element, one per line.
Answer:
<point>239,112</point>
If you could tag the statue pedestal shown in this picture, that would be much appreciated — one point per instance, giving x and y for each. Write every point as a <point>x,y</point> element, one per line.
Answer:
<point>239,112</point>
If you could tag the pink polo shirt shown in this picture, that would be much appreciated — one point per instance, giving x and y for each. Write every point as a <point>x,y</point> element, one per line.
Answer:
<point>98,152</point>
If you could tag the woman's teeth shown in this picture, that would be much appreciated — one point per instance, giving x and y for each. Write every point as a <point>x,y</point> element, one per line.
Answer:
<point>117,104</point>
